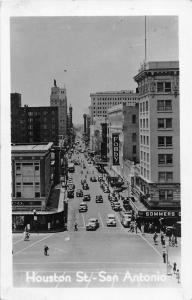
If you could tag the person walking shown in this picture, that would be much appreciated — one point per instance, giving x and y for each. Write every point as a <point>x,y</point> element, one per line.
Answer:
<point>164,256</point>
<point>175,241</point>
<point>174,268</point>
<point>150,227</point>
<point>46,248</point>
<point>136,227</point>
<point>178,276</point>
<point>155,238</point>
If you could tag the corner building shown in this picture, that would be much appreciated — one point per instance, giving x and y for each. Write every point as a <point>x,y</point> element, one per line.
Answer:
<point>159,130</point>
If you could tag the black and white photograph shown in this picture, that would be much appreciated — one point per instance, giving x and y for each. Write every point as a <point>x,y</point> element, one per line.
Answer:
<point>95,152</point>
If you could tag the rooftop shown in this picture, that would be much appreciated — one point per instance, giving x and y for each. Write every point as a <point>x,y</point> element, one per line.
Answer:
<point>31,147</point>
<point>114,92</point>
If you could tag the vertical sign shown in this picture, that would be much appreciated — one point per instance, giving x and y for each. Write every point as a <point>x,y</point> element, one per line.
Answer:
<point>115,148</point>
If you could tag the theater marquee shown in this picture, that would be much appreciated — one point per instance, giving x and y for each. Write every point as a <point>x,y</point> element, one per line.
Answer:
<point>115,148</point>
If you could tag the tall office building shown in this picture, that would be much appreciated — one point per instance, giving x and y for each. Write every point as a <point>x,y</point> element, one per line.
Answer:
<point>33,124</point>
<point>159,180</point>
<point>102,101</point>
<point>58,98</point>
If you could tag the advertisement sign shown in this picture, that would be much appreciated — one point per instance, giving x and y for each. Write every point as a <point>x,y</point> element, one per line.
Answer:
<point>115,148</point>
<point>159,213</point>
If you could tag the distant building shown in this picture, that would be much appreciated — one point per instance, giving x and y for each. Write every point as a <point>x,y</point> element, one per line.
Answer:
<point>15,117</point>
<point>102,101</point>
<point>31,176</point>
<point>33,124</point>
<point>58,98</point>
<point>159,130</point>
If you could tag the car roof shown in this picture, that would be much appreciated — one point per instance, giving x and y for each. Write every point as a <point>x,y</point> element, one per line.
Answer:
<point>111,216</point>
<point>93,219</point>
<point>83,203</point>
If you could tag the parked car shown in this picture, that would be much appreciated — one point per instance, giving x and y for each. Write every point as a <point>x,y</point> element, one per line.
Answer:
<point>93,179</point>
<point>83,181</point>
<point>117,206</point>
<point>100,178</point>
<point>85,186</point>
<point>99,199</point>
<point>111,220</point>
<point>79,193</point>
<point>92,224</point>
<point>83,207</point>
<point>86,197</point>
<point>126,219</point>
<point>175,229</point>
<point>106,189</point>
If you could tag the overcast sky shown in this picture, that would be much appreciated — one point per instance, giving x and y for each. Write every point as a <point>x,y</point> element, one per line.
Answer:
<point>99,54</point>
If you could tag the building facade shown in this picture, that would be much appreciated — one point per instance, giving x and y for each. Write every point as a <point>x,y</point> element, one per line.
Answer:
<point>58,98</point>
<point>159,130</point>
<point>123,121</point>
<point>102,101</point>
<point>31,176</point>
<point>33,124</point>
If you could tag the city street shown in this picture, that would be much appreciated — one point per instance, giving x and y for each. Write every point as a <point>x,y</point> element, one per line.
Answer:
<point>107,257</point>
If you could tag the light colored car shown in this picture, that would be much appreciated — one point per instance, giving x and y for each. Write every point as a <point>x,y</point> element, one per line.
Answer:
<point>92,224</point>
<point>126,219</point>
<point>111,220</point>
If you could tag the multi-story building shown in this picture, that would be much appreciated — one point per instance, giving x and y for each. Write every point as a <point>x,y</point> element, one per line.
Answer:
<point>58,98</point>
<point>31,176</point>
<point>123,120</point>
<point>15,116</point>
<point>102,101</point>
<point>33,124</point>
<point>159,180</point>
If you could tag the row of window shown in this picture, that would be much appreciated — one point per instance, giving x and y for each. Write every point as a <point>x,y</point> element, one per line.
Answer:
<point>115,98</point>
<point>164,123</point>
<point>158,87</point>
<point>18,194</point>
<point>144,139</point>
<point>163,141</point>
<point>38,113</point>
<point>144,156</point>
<point>143,107</point>
<point>144,123</point>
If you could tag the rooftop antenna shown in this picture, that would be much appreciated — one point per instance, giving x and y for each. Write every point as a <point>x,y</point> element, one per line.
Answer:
<point>145,40</point>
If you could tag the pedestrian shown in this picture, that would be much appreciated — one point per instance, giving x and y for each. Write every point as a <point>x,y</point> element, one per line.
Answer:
<point>174,267</point>
<point>163,242</point>
<point>170,242</point>
<point>155,238</point>
<point>164,256</point>
<point>175,241</point>
<point>178,276</point>
<point>150,227</point>
<point>46,248</point>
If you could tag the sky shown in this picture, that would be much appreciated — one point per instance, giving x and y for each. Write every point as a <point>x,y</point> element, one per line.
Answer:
<point>99,54</point>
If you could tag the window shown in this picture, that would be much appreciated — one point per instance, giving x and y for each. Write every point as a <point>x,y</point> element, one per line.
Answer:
<point>165,123</point>
<point>160,123</point>
<point>169,158</point>
<point>160,87</point>
<point>167,87</point>
<point>161,159</point>
<point>168,105</point>
<point>147,123</point>
<point>168,141</point>
<point>37,194</point>
<point>140,106</point>
<point>133,119</point>
<point>37,168</point>
<point>164,105</point>
<point>164,141</point>
<point>134,136</point>
<point>161,176</point>
<point>134,149</point>
<point>147,106</point>
<point>168,123</point>
<point>27,183</point>
<point>169,194</point>
<point>162,194</point>
<point>18,194</point>
<point>165,176</point>
<point>169,176</point>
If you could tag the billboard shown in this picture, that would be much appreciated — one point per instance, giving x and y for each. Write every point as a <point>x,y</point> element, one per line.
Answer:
<point>115,148</point>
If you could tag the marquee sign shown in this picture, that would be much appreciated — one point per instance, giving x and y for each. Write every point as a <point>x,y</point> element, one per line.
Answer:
<point>115,148</point>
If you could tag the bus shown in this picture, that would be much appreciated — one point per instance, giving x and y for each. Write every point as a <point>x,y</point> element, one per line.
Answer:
<point>71,168</point>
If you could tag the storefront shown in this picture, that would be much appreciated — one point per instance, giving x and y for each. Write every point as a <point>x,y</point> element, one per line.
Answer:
<point>40,222</point>
<point>158,218</point>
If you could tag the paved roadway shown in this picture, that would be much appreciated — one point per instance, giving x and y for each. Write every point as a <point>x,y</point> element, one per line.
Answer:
<point>108,257</point>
